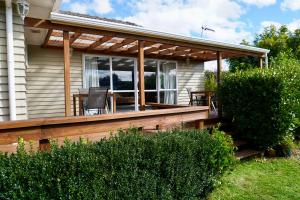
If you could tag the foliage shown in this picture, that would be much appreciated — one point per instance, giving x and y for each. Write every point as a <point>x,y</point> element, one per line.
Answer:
<point>180,164</point>
<point>289,67</point>
<point>261,179</point>
<point>277,40</point>
<point>260,104</point>
<point>210,81</point>
<point>243,63</point>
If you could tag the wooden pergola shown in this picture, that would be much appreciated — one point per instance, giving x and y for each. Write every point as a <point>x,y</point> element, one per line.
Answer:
<point>108,42</point>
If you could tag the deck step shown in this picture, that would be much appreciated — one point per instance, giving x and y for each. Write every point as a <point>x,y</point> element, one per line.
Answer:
<point>240,143</point>
<point>247,153</point>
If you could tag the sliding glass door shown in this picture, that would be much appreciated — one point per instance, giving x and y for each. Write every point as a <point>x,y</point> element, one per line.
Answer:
<point>123,73</point>
<point>120,75</point>
<point>168,82</point>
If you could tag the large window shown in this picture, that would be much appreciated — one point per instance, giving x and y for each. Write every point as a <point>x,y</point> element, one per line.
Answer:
<point>120,75</point>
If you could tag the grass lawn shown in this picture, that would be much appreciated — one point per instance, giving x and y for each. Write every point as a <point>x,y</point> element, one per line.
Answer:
<point>277,178</point>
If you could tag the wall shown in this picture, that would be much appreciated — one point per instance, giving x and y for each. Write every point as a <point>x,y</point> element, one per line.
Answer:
<point>45,81</point>
<point>19,49</point>
<point>190,75</point>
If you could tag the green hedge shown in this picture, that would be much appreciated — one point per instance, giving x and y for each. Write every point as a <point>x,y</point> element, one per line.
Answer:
<point>172,165</point>
<point>260,103</point>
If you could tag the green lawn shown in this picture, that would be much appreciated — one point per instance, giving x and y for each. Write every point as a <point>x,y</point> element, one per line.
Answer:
<point>261,179</point>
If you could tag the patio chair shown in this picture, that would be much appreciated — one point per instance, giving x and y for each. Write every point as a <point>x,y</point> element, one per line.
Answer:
<point>97,100</point>
<point>199,99</point>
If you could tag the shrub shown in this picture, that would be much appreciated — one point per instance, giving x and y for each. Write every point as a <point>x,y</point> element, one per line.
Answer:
<point>260,103</point>
<point>210,81</point>
<point>179,164</point>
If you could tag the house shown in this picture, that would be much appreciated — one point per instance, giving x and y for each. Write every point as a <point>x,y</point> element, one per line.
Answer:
<point>47,57</point>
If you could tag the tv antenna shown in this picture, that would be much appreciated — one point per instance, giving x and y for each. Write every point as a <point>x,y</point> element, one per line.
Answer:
<point>205,28</point>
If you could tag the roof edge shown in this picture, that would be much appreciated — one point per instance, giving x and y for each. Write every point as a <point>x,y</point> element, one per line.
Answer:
<point>100,24</point>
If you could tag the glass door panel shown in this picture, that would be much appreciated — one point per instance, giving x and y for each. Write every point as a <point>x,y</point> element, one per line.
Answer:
<point>125,101</point>
<point>123,74</point>
<point>167,75</point>
<point>97,72</point>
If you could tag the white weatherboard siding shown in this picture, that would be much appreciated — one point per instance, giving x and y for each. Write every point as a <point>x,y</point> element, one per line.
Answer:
<point>45,81</point>
<point>19,50</point>
<point>190,75</point>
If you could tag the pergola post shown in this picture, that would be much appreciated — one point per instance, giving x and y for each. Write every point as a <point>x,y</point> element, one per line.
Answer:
<point>141,75</point>
<point>219,70</point>
<point>66,43</point>
<point>260,62</point>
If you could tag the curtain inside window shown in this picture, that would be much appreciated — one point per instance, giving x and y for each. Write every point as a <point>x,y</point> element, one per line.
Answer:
<point>168,81</point>
<point>91,72</point>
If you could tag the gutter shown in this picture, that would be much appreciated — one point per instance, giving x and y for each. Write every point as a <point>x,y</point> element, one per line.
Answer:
<point>10,59</point>
<point>99,24</point>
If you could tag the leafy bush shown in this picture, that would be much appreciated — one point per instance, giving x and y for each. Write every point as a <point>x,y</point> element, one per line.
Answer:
<point>260,104</point>
<point>180,164</point>
<point>210,81</point>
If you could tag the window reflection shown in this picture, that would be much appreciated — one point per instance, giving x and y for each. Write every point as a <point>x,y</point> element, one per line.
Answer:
<point>123,74</point>
<point>150,71</point>
<point>125,101</point>
<point>97,72</point>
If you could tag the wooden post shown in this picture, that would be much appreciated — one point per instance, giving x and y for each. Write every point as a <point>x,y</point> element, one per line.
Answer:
<point>219,70</point>
<point>199,124</point>
<point>66,43</point>
<point>141,74</point>
<point>260,62</point>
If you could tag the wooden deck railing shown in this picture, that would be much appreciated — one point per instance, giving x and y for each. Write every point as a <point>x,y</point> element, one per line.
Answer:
<point>39,131</point>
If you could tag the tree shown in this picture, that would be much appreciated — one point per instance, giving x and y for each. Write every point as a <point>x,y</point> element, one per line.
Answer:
<point>277,40</point>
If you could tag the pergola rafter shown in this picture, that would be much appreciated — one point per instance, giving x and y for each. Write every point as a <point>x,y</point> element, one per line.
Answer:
<point>99,42</point>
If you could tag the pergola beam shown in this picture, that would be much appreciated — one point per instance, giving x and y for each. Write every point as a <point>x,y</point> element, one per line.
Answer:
<point>49,33</point>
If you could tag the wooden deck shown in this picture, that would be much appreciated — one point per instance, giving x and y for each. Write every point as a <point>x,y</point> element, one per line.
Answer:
<point>39,131</point>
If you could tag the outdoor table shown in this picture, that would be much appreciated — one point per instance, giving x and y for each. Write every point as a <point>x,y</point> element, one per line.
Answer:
<point>81,96</point>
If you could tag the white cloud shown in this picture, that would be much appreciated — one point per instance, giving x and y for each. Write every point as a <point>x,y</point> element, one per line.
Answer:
<point>187,17</point>
<point>295,24</point>
<point>101,6</point>
<point>212,66</point>
<point>259,3</point>
<point>290,5</point>
<point>79,7</point>
<point>84,7</point>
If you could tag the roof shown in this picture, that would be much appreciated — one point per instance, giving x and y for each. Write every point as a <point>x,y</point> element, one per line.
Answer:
<point>98,18</point>
<point>118,26</point>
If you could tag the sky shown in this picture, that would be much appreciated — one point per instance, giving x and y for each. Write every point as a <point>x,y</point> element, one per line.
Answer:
<point>231,20</point>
